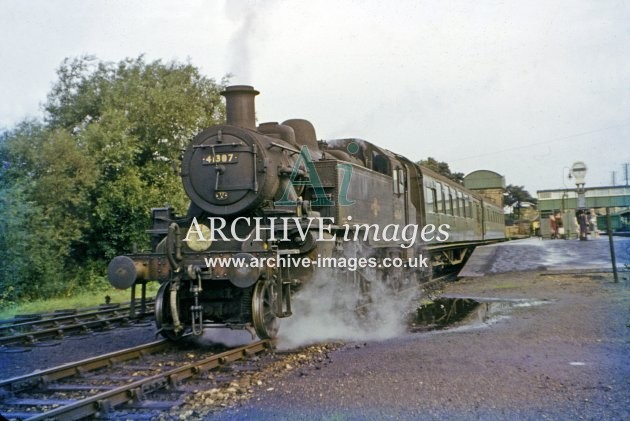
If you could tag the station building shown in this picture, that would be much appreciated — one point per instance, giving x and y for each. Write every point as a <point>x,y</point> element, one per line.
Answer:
<point>488,184</point>
<point>598,198</point>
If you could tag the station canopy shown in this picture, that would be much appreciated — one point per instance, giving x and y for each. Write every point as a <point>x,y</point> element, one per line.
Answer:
<point>596,197</point>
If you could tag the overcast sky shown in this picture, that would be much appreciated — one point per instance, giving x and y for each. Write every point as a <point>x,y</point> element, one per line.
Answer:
<point>524,88</point>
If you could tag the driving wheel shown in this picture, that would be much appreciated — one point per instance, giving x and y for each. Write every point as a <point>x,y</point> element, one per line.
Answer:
<point>263,310</point>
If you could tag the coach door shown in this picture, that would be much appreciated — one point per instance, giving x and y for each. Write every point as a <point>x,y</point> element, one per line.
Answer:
<point>401,198</point>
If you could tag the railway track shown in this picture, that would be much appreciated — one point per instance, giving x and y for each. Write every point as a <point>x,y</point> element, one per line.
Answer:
<point>29,329</point>
<point>137,383</point>
<point>127,384</point>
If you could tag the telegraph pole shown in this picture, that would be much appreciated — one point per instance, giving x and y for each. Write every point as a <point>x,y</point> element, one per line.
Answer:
<point>611,244</point>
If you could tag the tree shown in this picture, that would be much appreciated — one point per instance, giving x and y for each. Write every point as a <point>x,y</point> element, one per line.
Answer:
<point>43,189</point>
<point>77,188</point>
<point>443,169</point>
<point>515,196</point>
<point>137,118</point>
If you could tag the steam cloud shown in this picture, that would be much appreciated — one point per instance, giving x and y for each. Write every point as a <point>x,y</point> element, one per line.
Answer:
<point>325,310</point>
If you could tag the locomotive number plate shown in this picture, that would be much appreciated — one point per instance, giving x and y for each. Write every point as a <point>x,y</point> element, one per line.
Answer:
<point>221,158</point>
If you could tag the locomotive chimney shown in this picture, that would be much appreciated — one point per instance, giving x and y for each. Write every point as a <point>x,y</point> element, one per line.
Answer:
<point>239,105</point>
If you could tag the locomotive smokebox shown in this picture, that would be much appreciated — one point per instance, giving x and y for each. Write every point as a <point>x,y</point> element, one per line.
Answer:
<point>239,105</point>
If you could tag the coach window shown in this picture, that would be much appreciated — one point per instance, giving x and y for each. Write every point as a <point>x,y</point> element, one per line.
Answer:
<point>458,198</point>
<point>458,205</point>
<point>469,205</point>
<point>453,195</point>
<point>438,198</point>
<point>448,201</point>
<point>429,200</point>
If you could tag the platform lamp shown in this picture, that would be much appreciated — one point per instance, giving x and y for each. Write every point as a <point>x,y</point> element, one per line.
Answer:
<point>578,171</point>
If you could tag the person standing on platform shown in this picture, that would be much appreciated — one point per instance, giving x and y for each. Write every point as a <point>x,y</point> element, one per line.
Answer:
<point>552,226</point>
<point>583,221</point>
<point>559,225</point>
<point>536,228</point>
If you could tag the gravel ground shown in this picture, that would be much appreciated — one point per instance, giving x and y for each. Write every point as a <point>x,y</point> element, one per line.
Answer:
<point>565,357</point>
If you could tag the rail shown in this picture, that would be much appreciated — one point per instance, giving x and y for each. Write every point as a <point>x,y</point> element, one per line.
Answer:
<point>56,326</point>
<point>101,403</point>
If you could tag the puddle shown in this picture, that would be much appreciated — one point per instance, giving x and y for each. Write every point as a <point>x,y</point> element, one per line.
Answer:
<point>446,312</point>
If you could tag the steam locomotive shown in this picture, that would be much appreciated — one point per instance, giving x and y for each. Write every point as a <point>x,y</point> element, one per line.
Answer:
<point>267,195</point>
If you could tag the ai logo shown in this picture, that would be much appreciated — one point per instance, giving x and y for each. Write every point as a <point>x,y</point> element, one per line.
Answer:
<point>314,182</point>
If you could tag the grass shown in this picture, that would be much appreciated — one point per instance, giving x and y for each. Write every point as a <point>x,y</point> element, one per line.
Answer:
<point>77,300</point>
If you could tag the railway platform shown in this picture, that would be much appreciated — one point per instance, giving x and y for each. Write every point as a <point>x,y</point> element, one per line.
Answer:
<point>549,255</point>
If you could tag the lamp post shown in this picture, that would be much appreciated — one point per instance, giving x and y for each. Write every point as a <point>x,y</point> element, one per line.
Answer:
<point>563,201</point>
<point>578,170</point>
<point>564,193</point>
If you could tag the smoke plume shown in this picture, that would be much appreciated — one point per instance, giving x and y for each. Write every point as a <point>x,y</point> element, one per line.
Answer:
<point>246,15</point>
